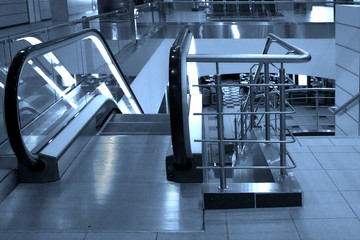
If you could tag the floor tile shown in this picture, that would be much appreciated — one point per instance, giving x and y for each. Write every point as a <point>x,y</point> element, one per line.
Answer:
<point>49,236</point>
<point>315,141</point>
<point>294,148</point>
<point>347,141</point>
<point>305,161</point>
<point>341,149</point>
<point>357,148</point>
<point>234,215</point>
<point>323,205</point>
<point>353,199</point>
<point>339,160</point>
<point>190,236</point>
<point>314,180</point>
<point>216,215</point>
<point>122,236</point>
<point>215,221</point>
<point>328,229</point>
<point>262,229</point>
<point>345,179</point>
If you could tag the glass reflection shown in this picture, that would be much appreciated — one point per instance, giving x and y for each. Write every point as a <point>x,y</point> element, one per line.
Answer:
<point>55,86</point>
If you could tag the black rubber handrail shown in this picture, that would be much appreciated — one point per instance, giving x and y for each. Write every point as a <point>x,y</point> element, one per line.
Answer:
<point>11,111</point>
<point>178,106</point>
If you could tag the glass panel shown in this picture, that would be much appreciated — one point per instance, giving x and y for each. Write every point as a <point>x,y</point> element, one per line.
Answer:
<point>3,72</point>
<point>56,85</point>
<point>145,18</point>
<point>118,30</point>
<point>60,31</point>
<point>24,41</point>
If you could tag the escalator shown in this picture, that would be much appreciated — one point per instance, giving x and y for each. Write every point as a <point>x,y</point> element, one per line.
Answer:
<point>60,93</point>
<point>90,131</point>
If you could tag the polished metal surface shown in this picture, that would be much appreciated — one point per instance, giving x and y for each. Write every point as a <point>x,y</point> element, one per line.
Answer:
<point>288,184</point>
<point>117,183</point>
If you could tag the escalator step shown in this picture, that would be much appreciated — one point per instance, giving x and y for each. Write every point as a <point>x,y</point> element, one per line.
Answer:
<point>137,128</point>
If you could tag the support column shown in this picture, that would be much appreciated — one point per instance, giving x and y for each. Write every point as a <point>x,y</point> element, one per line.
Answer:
<point>34,11</point>
<point>59,10</point>
<point>347,68</point>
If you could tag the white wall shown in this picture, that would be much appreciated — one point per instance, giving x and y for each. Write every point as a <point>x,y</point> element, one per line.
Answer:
<point>322,52</point>
<point>150,84</point>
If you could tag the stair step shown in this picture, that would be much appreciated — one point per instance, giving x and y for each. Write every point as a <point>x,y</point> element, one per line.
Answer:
<point>140,118</point>
<point>138,124</point>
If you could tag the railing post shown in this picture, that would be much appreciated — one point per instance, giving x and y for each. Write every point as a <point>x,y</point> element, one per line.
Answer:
<point>282,121</point>
<point>236,137</point>
<point>267,102</point>
<point>276,117</point>
<point>252,99</point>
<point>317,109</point>
<point>152,12</point>
<point>220,128</point>
<point>242,122</point>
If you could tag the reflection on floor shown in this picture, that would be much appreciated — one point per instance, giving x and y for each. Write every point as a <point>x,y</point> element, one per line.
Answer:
<point>103,197</point>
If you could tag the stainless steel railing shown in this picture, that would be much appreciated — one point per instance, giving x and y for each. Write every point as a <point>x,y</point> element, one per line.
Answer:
<point>343,107</point>
<point>293,55</point>
<point>317,97</point>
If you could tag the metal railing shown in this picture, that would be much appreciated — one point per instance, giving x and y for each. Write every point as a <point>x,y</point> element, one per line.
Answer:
<point>293,55</point>
<point>344,107</point>
<point>319,100</point>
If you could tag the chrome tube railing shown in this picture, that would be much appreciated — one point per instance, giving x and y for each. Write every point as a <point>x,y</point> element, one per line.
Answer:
<point>343,107</point>
<point>293,55</point>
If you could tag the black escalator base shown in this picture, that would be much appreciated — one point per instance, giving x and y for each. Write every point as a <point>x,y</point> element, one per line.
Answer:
<point>192,175</point>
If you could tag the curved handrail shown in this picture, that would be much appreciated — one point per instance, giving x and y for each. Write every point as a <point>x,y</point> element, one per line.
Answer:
<point>299,56</point>
<point>12,115</point>
<point>179,109</point>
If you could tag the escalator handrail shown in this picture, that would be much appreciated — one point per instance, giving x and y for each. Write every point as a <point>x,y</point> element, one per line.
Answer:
<point>11,111</point>
<point>178,106</point>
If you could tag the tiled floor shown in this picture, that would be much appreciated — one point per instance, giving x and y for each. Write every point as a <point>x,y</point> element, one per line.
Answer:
<point>328,171</point>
